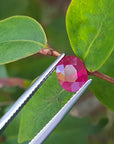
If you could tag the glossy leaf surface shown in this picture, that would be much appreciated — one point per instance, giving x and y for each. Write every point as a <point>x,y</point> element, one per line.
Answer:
<point>104,90</point>
<point>90,30</point>
<point>20,36</point>
<point>46,102</point>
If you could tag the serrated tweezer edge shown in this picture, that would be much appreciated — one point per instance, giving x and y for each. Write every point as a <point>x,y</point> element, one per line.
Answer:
<point>51,125</point>
<point>23,99</point>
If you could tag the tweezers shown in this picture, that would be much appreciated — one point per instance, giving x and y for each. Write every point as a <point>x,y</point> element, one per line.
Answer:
<point>51,125</point>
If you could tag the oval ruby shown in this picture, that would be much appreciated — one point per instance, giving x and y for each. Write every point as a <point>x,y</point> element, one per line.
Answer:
<point>71,73</point>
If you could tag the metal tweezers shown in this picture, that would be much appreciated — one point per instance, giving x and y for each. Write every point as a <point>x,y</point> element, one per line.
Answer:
<point>51,125</point>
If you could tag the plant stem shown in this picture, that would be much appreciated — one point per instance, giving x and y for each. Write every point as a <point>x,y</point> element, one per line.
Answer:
<point>54,53</point>
<point>6,103</point>
<point>9,82</point>
<point>49,52</point>
<point>102,76</point>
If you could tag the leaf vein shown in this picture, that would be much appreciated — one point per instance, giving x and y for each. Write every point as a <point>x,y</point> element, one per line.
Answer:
<point>96,36</point>
<point>24,41</point>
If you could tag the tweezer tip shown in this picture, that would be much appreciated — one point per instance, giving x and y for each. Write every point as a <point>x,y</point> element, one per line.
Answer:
<point>88,83</point>
<point>63,54</point>
<point>90,80</point>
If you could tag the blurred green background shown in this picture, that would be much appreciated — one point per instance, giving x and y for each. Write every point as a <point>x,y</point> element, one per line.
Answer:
<point>89,121</point>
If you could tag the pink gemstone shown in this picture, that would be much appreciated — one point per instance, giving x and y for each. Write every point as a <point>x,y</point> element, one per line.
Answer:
<point>71,73</point>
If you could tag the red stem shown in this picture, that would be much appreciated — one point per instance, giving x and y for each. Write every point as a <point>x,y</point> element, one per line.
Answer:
<point>102,76</point>
<point>8,82</point>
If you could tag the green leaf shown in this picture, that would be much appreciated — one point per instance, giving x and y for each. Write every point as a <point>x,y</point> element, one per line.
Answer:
<point>20,36</point>
<point>102,89</point>
<point>90,30</point>
<point>74,130</point>
<point>46,102</point>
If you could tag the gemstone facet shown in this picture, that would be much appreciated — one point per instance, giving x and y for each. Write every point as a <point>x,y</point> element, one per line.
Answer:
<point>71,73</point>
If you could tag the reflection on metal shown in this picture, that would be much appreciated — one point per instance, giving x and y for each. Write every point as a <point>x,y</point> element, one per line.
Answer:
<point>18,105</point>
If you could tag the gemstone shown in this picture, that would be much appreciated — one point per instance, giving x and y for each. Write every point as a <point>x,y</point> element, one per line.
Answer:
<point>71,73</point>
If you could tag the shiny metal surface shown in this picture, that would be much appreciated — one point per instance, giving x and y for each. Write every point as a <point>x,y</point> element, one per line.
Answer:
<point>44,133</point>
<point>18,105</point>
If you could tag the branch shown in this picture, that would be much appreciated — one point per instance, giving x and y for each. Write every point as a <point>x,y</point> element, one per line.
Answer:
<point>54,53</point>
<point>102,76</point>
<point>6,103</point>
<point>10,82</point>
<point>49,52</point>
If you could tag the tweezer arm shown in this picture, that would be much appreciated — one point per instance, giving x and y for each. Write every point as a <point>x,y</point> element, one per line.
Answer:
<point>18,105</point>
<point>51,125</point>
